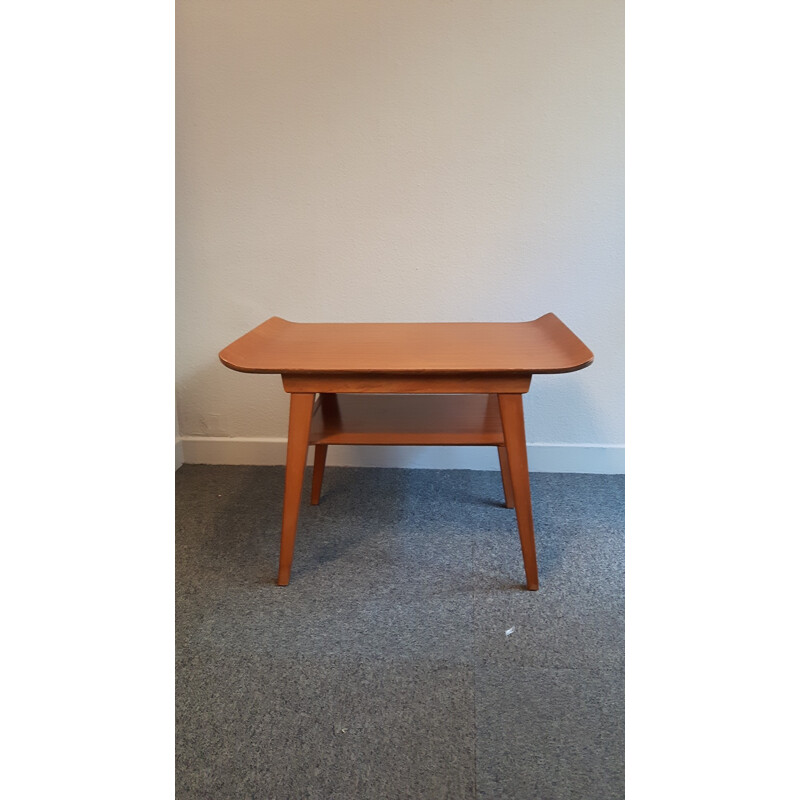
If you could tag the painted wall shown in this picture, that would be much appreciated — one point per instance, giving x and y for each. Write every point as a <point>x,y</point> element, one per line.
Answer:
<point>412,160</point>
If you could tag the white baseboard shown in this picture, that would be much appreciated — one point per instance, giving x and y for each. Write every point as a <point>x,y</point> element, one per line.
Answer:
<point>178,453</point>
<point>268,451</point>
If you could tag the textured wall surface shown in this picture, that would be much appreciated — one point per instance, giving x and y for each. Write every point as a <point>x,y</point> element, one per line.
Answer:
<point>399,161</point>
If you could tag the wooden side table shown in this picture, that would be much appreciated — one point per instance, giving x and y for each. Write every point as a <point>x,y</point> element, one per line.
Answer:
<point>427,384</point>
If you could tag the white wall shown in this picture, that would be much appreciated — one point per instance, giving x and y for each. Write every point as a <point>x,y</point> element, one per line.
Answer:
<point>411,160</point>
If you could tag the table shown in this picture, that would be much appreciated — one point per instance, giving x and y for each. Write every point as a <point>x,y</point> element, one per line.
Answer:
<point>428,383</point>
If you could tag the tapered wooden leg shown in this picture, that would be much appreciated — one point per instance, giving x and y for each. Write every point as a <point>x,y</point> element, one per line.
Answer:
<point>508,489</point>
<point>320,451</point>
<point>300,408</point>
<point>514,435</point>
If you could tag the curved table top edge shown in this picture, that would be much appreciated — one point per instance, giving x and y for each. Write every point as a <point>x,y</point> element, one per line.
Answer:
<point>238,355</point>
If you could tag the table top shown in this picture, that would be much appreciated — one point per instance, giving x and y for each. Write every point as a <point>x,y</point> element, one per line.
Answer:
<point>544,345</point>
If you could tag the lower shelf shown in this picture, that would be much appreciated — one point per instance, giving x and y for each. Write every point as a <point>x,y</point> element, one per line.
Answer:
<point>467,419</point>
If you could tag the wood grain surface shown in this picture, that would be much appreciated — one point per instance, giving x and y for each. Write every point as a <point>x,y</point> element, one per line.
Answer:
<point>544,345</point>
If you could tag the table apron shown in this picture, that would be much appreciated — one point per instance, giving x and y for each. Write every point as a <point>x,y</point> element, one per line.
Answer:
<point>408,383</point>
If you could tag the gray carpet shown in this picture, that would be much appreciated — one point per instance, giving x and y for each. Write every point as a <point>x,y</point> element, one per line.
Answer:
<point>384,670</point>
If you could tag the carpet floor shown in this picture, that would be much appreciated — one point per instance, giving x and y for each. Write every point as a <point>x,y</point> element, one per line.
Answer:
<point>404,659</point>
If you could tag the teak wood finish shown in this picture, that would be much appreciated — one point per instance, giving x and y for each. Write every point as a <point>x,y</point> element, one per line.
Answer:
<point>488,365</point>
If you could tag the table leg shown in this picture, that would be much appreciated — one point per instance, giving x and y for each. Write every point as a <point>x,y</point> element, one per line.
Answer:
<point>514,435</point>
<point>320,451</point>
<point>330,409</point>
<point>300,408</point>
<point>505,471</point>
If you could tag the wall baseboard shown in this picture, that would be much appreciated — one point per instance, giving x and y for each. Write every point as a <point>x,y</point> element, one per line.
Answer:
<point>269,451</point>
<point>178,453</point>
